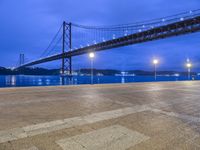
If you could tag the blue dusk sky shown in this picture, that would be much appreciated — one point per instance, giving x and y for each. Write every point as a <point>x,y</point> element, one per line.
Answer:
<point>27,26</point>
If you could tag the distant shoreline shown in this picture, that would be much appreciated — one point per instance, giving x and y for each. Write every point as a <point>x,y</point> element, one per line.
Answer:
<point>86,71</point>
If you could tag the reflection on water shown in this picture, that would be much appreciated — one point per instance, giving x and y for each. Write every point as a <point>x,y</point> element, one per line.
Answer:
<point>47,81</point>
<point>39,81</point>
<point>66,80</point>
<point>122,80</point>
<point>23,80</point>
<point>10,80</point>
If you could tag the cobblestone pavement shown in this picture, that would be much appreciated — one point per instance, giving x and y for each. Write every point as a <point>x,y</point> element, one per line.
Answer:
<point>137,116</point>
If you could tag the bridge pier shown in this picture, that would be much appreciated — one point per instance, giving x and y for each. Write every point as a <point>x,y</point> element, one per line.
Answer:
<point>66,45</point>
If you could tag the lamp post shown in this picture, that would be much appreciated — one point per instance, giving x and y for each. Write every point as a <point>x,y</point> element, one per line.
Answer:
<point>189,65</point>
<point>155,62</point>
<point>91,55</point>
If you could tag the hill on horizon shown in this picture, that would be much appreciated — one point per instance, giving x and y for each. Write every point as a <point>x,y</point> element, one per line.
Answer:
<point>43,71</point>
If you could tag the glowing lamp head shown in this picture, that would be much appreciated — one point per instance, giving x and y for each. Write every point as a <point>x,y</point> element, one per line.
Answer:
<point>189,65</point>
<point>91,55</point>
<point>155,61</point>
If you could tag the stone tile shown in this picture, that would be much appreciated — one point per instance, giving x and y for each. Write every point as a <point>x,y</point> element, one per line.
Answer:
<point>110,138</point>
<point>31,148</point>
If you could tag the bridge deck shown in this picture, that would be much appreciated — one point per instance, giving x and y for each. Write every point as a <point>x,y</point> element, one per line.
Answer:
<point>115,117</point>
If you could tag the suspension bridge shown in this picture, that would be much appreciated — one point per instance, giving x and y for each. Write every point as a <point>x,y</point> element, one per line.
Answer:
<point>74,39</point>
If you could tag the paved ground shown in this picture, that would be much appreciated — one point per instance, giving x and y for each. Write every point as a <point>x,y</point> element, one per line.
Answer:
<point>141,116</point>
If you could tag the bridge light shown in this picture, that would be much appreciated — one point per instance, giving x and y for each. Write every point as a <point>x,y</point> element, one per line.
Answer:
<point>126,33</point>
<point>103,40</point>
<point>181,19</point>
<point>140,30</point>
<point>163,20</point>
<point>191,11</point>
<point>113,36</point>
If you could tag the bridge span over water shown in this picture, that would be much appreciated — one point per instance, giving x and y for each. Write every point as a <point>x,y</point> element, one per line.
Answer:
<point>99,38</point>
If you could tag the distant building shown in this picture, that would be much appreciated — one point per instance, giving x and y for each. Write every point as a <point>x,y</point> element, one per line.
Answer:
<point>74,73</point>
<point>124,74</point>
<point>176,75</point>
<point>100,74</point>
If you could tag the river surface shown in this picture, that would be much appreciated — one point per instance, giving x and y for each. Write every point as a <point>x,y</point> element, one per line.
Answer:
<point>25,80</point>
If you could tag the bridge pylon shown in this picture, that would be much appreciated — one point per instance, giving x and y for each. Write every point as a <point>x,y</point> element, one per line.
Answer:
<point>21,59</point>
<point>66,46</point>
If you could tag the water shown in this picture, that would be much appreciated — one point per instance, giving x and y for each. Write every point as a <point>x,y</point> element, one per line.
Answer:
<point>24,80</point>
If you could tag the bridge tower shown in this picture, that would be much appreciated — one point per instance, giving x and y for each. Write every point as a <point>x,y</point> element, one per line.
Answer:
<point>21,59</point>
<point>66,46</point>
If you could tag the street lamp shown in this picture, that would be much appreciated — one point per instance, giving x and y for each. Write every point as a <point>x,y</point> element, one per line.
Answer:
<point>155,62</point>
<point>91,55</point>
<point>189,65</point>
